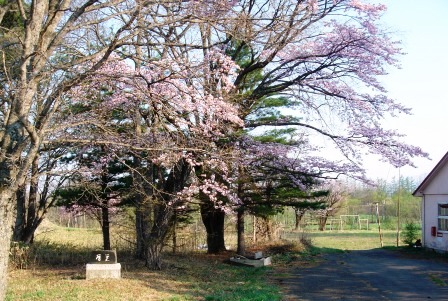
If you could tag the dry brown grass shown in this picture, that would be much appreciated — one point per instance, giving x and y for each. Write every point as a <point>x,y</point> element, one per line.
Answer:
<point>55,270</point>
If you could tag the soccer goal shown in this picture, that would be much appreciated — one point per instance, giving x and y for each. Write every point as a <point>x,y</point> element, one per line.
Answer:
<point>353,221</point>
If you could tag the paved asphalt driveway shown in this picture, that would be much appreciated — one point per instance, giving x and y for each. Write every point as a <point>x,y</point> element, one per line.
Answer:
<point>368,275</point>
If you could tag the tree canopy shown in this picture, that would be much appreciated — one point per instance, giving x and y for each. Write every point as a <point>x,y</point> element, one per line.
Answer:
<point>186,85</point>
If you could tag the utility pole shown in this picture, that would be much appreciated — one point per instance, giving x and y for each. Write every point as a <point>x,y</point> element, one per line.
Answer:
<point>398,208</point>
<point>379,224</point>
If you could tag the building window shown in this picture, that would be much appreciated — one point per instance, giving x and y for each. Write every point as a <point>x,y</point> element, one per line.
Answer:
<point>443,217</point>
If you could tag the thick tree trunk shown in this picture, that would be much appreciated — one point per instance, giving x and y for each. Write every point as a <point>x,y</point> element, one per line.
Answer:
<point>19,226</point>
<point>164,214</point>
<point>31,221</point>
<point>264,229</point>
<point>32,210</point>
<point>141,227</point>
<point>143,207</point>
<point>322,222</point>
<point>241,248</point>
<point>6,223</point>
<point>213,219</point>
<point>154,255</point>
<point>156,241</point>
<point>26,221</point>
<point>28,235</point>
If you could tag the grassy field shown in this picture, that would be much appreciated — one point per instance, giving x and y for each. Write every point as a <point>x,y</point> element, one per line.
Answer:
<point>54,269</point>
<point>192,278</point>
<point>347,239</point>
<point>353,240</point>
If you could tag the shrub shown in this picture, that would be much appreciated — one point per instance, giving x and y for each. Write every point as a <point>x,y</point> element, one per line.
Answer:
<point>19,255</point>
<point>410,233</point>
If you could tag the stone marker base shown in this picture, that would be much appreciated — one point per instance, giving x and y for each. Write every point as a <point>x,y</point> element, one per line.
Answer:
<point>94,271</point>
<point>241,260</point>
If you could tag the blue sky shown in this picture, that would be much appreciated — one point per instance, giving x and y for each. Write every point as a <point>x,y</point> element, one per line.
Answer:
<point>421,83</point>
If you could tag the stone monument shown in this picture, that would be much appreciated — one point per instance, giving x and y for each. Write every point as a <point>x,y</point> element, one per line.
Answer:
<point>103,264</point>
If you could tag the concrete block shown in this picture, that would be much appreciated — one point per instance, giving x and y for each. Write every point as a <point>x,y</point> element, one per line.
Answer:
<point>258,255</point>
<point>103,271</point>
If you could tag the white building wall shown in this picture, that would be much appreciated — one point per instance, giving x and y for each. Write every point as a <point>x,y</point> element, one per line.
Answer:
<point>434,191</point>
<point>430,213</point>
<point>439,183</point>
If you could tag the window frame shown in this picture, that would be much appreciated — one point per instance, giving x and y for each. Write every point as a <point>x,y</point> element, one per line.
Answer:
<point>441,216</point>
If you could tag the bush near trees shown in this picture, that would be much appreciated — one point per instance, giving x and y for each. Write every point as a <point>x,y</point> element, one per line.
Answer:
<point>411,233</point>
<point>183,87</point>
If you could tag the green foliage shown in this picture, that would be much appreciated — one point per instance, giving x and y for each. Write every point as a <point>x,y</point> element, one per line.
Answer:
<point>410,233</point>
<point>283,195</point>
<point>78,108</point>
<point>242,54</point>
<point>282,136</point>
<point>12,19</point>
<point>248,284</point>
<point>114,181</point>
<point>387,194</point>
<point>274,102</point>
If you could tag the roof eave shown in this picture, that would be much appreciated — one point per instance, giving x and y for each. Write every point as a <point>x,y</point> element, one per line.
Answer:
<point>420,189</point>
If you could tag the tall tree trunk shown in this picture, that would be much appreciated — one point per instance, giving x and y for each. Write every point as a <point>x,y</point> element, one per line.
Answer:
<point>105,226</point>
<point>143,208</point>
<point>32,200</point>
<point>164,213</point>
<point>31,209</point>
<point>141,226</point>
<point>20,222</point>
<point>156,239</point>
<point>6,223</point>
<point>154,255</point>
<point>174,232</point>
<point>213,219</point>
<point>26,218</point>
<point>241,242</point>
<point>241,248</point>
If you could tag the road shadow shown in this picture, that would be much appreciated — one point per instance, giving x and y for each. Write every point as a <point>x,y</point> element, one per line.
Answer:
<point>375,274</point>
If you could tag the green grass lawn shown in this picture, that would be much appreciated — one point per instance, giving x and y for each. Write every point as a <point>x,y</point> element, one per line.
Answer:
<point>353,239</point>
<point>54,269</point>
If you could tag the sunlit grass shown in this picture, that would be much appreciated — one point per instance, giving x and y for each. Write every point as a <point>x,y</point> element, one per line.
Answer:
<point>348,239</point>
<point>185,278</point>
<point>353,239</point>
<point>55,270</point>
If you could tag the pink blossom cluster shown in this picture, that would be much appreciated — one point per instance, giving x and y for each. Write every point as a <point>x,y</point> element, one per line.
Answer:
<point>224,70</point>
<point>211,8</point>
<point>325,57</point>
<point>372,9</point>
<point>165,92</point>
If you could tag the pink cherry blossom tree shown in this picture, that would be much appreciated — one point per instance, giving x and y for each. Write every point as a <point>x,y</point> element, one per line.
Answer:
<point>168,68</point>
<point>63,43</point>
<point>315,66</point>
